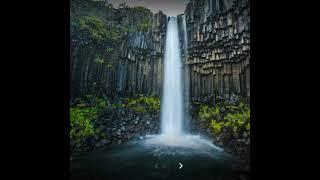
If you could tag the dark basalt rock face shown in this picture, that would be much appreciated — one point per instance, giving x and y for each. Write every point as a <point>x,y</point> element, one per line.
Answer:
<point>218,33</point>
<point>138,62</point>
<point>133,67</point>
<point>217,63</point>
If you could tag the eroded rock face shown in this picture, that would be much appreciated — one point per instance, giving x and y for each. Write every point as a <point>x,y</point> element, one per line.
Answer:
<point>216,65</point>
<point>133,67</point>
<point>138,62</point>
<point>218,33</point>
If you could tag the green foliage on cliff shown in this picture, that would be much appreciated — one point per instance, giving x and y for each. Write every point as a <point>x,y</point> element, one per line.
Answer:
<point>144,104</point>
<point>104,61</point>
<point>99,30</point>
<point>144,25</point>
<point>140,104</point>
<point>105,24</point>
<point>216,127</point>
<point>207,113</point>
<point>142,9</point>
<point>95,26</point>
<point>235,119</point>
<point>82,118</point>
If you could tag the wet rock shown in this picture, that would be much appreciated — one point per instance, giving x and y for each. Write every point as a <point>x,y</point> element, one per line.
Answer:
<point>96,137</point>
<point>208,130</point>
<point>118,133</point>
<point>123,128</point>
<point>105,141</point>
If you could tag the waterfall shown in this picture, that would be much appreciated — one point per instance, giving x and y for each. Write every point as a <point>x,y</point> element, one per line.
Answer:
<point>186,75</point>
<point>172,99</point>
<point>172,111</point>
<point>185,37</point>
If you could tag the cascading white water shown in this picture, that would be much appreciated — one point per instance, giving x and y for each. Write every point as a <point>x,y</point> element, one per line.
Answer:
<point>185,35</point>
<point>171,109</point>
<point>172,133</point>
<point>186,76</point>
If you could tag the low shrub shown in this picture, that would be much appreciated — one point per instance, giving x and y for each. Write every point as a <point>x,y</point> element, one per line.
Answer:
<point>235,120</point>
<point>83,117</point>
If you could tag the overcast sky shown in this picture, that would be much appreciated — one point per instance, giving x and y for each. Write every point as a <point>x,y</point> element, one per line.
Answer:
<point>168,7</point>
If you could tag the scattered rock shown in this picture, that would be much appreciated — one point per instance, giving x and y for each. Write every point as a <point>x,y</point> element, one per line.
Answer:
<point>245,134</point>
<point>104,141</point>
<point>96,137</point>
<point>208,130</point>
<point>118,133</point>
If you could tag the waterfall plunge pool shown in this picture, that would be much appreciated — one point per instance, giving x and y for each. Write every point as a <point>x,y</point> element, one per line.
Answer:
<point>154,158</point>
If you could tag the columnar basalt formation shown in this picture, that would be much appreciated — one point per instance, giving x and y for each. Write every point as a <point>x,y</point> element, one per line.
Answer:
<point>133,66</point>
<point>218,33</point>
<point>138,63</point>
<point>217,63</point>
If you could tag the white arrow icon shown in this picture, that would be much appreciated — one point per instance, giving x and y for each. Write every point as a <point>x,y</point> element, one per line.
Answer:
<point>180,166</point>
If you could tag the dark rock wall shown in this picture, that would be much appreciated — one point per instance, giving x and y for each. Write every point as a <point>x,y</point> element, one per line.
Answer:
<point>134,66</point>
<point>217,63</point>
<point>133,125</point>
<point>218,33</point>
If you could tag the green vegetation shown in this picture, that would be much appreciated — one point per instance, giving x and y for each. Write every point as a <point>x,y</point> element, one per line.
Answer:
<point>84,115</point>
<point>99,30</point>
<point>144,25</point>
<point>141,9</point>
<point>144,104</point>
<point>141,103</point>
<point>101,60</point>
<point>207,113</point>
<point>235,119</point>
<point>82,118</point>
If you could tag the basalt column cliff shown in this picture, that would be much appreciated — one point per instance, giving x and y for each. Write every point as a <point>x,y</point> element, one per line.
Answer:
<point>115,51</point>
<point>218,36</point>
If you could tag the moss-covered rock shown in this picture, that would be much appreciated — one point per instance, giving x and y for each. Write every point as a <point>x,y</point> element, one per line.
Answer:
<point>141,103</point>
<point>83,117</point>
<point>227,123</point>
